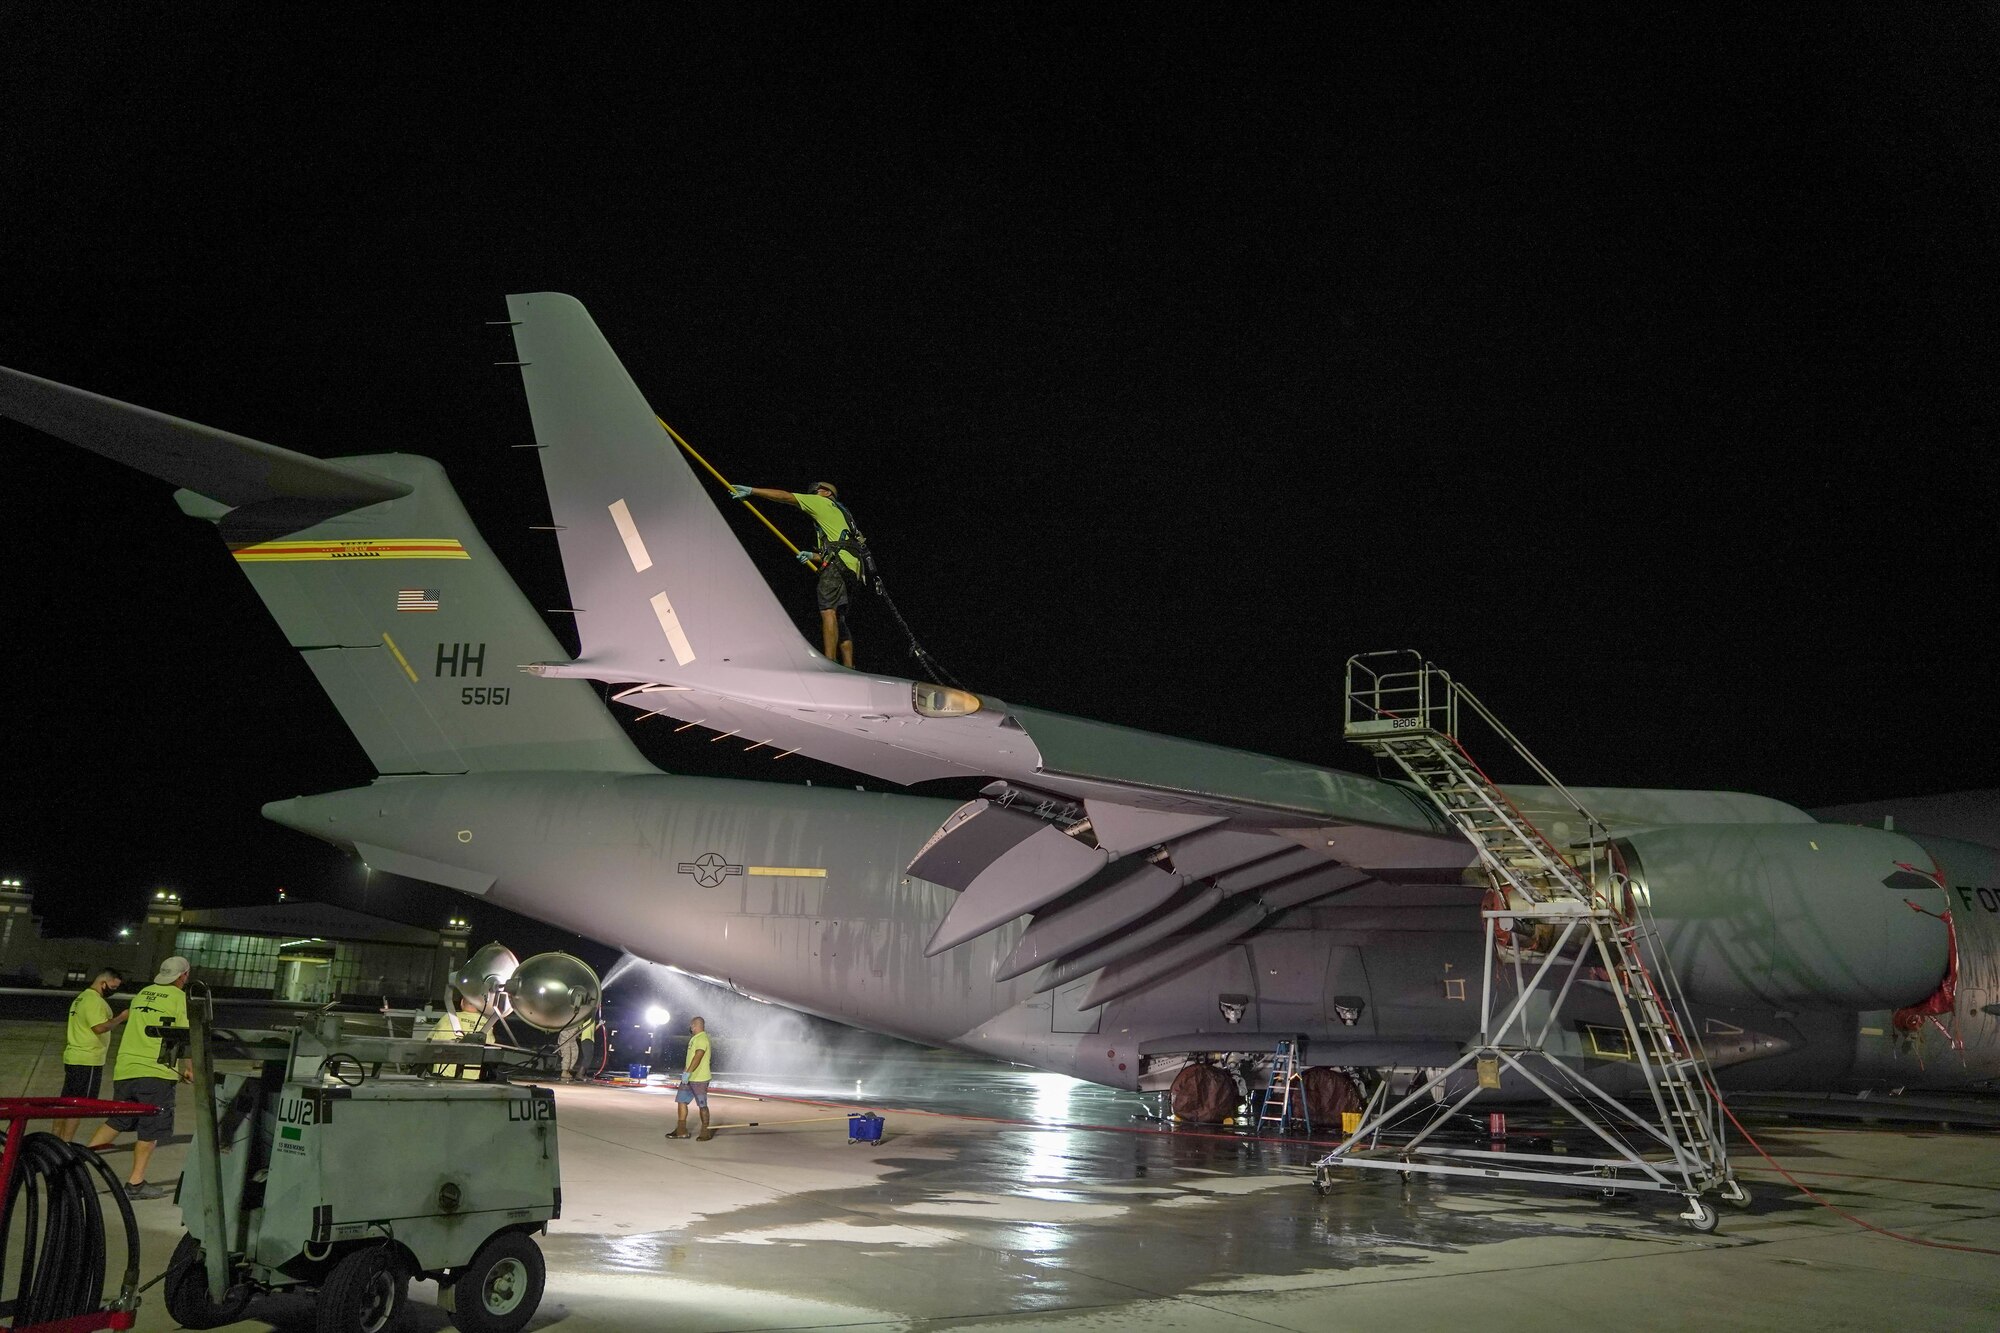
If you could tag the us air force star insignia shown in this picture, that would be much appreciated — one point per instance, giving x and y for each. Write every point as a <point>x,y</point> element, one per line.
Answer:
<point>709,869</point>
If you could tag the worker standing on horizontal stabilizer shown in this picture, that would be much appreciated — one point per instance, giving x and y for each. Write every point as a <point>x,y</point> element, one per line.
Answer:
<point>841,557</point>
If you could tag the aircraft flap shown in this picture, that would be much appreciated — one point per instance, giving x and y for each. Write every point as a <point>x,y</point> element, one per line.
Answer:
<point>1127,828</point>
<point>1126,976</point>
<point>1036,870</point>
<point>1178,914</point>
<point>1077,925</point>
<point>976,835</point>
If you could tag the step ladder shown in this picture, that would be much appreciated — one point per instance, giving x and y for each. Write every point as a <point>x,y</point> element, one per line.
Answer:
<point>1277,1108</point>
<point>1556,917</point>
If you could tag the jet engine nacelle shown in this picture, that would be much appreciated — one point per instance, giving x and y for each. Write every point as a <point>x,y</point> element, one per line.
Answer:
<point>1807,916</point>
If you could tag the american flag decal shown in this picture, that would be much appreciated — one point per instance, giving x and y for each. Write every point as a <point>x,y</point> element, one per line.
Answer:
<point>417,599</point>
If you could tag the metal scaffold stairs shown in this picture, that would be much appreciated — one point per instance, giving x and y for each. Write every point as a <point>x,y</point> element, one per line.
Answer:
<point>1555,918</point>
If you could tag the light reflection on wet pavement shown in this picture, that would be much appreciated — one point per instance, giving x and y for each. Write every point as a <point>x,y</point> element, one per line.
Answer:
<point>1047,1211</point>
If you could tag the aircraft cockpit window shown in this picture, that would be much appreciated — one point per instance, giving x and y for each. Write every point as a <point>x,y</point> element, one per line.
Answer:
<point>938,701</point>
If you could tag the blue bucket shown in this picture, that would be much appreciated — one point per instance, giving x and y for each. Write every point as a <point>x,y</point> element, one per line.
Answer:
<point>640,1071</point>
<point>864,1128</point>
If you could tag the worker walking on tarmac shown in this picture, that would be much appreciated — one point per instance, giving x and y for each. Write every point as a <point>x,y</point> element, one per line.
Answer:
<point>694,1083</point>
<point>88,1042</point>
<point>142,1076</point>
<point>841,556</point>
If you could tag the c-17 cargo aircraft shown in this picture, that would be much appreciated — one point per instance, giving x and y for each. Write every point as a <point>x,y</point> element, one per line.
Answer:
<point>1115,904</point>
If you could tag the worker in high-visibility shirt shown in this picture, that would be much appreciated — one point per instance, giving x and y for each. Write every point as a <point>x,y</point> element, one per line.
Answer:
<point>841,556</point>
<point>694,1082</point>
<point>467,1018</point>
<point>87,1042</point>
<point>140,1075</point>
<point>577,1052</point>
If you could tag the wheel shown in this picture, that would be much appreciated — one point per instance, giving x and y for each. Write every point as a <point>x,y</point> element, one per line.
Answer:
<point>186,1291</point>
<point>499,1291</point>
<point>364,1293</point>
<point>1734,1193</point>
<point>1700,1217</point>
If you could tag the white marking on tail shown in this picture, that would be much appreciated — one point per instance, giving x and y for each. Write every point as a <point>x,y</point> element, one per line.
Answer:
<point>635,545</point>
<point>670,624</point>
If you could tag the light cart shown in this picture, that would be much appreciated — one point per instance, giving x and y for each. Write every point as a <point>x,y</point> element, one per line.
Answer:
<point>348,1164</point>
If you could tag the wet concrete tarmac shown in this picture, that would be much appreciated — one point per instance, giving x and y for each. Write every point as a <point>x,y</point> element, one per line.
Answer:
<point>1057,1210</point>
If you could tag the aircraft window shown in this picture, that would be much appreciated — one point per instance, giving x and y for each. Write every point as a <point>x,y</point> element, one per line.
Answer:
<point>938,701</point>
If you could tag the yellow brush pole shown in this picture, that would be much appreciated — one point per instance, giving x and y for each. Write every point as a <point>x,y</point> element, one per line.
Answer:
<point>725,481</point>
<point>778,1124</point>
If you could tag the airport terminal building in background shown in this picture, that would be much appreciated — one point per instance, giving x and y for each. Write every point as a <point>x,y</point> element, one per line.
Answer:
<point>304,952</point>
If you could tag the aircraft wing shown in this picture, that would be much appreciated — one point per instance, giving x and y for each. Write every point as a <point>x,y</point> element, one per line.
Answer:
<point>1137,853</point>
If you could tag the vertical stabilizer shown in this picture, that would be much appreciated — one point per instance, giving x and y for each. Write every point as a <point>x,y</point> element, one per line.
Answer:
<point>665,591</point>
<point>417,634</point>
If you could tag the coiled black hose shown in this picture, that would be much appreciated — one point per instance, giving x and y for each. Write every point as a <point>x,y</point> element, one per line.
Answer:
<point>54,1194</point>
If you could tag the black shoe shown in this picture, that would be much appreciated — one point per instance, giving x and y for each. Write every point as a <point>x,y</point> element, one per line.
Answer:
<point>147,1190</point>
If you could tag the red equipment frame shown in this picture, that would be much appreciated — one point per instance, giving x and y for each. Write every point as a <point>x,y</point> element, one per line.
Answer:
<point>17,1112</point>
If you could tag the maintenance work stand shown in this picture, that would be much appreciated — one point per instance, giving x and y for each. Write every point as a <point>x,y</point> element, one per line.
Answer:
<point>1557,918</point>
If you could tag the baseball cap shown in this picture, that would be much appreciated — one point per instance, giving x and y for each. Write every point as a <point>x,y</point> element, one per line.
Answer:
<point>171,969</point>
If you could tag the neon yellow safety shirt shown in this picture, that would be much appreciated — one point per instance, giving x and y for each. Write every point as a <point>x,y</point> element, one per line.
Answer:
<point>139,1054</point>
<point>833,523</point>
<point>450,1028</point>
<point>82,1046</point>
<point>699,1067</point>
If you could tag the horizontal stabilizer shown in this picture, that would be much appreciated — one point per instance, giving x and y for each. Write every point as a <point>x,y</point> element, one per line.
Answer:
<point>228,468</point>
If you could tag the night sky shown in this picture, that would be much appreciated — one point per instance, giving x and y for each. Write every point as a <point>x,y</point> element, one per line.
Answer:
<point>1636,366</point>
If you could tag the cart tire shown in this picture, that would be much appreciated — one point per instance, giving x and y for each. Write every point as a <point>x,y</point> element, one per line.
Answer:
<point>500,1290</point>
<point>186,1291</point>
<point>1700,1217</point>
<point>364,1293</point>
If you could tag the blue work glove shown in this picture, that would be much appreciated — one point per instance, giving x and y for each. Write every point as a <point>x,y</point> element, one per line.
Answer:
<point>807,558</point>
<point>739,492</point>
